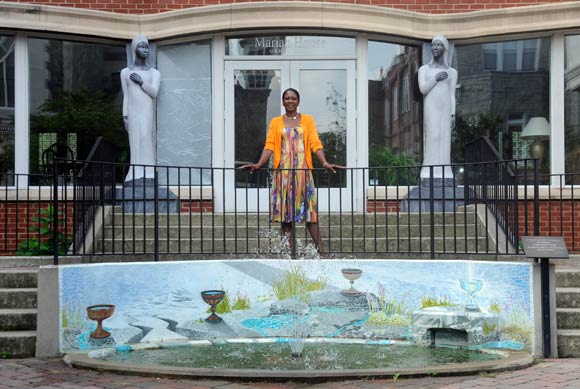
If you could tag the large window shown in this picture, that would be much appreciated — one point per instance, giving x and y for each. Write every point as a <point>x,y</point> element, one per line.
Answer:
<point>395,112</point>
<point>572,106</point>
<point>184,111</point>
<point>75,97</point>
<point>501,87</point>
<point>6,107</point>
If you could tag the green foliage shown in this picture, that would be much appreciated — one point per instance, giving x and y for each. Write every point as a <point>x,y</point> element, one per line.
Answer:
<point>5,354</point>
<point>385,167</point>
<point>41,243</point>
<point>89,114</point>
<point>489,328</point>
<point>380,318</point>
<point>224,306</point>
<point>241,303</point>
<point>396,376</point>
<point>518,325</point>
<point>295,284</point>
<point>433,301</point>
<point>468,129</point>
<point>72,317</point>
<point>494,307</point>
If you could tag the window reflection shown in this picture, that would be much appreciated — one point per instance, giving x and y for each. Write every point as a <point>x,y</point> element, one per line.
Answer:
<point>6,108</point>
<point>75,97</point>
<point>501,86</point>
<point>395,112</point>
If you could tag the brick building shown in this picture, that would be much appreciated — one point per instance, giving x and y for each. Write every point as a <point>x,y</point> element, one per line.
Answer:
<point>355,63</point>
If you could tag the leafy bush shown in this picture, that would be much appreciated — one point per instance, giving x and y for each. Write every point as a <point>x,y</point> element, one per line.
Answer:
<point>432,301</point>
<point>42,243</point>
<point>390,168</point>
<point>295,284</point>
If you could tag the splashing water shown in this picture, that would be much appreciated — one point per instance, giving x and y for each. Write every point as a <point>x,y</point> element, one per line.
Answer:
<point>279,245</point>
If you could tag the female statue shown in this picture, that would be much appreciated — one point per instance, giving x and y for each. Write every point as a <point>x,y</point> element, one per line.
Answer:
<point>140,83</point>
<point>437,82</point>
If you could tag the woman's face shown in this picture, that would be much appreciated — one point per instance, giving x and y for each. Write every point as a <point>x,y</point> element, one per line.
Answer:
<point>437,48</point>
<point>290,101</point>
<point>142,49</point>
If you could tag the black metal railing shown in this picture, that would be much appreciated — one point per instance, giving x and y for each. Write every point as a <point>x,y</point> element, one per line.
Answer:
<point>201,211</point>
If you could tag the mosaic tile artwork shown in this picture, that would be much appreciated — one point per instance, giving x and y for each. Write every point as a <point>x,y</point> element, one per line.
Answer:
<point>455,303</point>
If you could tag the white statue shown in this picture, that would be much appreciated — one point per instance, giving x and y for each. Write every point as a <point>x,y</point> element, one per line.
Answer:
<point>140,83</point>
<point>437,82</point>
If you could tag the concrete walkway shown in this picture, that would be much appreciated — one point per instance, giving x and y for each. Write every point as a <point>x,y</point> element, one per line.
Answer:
<point>53,373</point>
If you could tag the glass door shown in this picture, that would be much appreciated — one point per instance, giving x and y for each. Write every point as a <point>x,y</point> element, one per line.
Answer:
<point>253,92</point>
<point>253,96</point>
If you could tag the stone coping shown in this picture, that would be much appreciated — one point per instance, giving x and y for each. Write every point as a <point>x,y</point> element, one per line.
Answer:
<point>35,194</point>
<point>514,361</point>
<point>298,14</point>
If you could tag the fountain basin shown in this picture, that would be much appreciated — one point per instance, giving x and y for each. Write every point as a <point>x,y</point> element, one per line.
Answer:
<point>270,358</point>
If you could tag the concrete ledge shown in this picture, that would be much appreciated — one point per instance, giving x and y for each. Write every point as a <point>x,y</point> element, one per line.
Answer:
<point>515,361</point>
<point>299,14</point>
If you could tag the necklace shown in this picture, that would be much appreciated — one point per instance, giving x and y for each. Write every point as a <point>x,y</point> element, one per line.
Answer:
<point>292,117</point>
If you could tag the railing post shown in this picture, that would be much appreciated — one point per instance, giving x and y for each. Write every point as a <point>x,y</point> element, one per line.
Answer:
<point>432,209</point>
<point>536,198</point>
<point>293,208</point>
<point>156,213</point>
<point>54,213</point>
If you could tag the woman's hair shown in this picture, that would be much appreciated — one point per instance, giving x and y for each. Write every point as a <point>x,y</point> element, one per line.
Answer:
<point>291,90</point>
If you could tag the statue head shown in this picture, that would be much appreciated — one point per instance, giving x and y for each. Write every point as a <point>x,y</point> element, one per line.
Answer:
<point>439,47</point>
<point>140,47</point>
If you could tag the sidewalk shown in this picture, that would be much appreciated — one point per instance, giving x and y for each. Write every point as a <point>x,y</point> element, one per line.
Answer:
<point>53,373</point>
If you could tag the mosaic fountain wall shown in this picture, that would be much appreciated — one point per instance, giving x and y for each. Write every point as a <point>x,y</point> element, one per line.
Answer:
<point>460,303</point>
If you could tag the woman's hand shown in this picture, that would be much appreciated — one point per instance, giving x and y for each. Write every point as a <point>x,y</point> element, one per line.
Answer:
<point>332,166</point>
<point>441,76</point>
<point>252,167</point>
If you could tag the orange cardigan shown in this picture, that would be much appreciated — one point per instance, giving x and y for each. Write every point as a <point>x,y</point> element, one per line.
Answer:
<point>311,139</point>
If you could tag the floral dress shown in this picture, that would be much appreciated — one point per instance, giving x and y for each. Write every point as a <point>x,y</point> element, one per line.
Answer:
<point>299,191</point>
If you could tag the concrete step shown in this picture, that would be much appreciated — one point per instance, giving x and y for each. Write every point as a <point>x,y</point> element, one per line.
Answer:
<point>567,297</point>
<point>567,277</point>
<point>568,343</point>
<point>568,318</point>
<point>17,319</point>
<point>241,231</point>
<point>18,278</point>
<point>345,218</point>
<point>17,344</point>
<point>253,245</point>
<point>18,298</point>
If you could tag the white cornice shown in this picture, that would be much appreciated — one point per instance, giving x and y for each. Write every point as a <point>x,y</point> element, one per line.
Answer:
<point>296,14</point>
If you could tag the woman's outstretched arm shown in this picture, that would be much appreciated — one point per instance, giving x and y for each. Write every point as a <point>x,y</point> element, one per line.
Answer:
<point>266,154</point>
<point>325,164</point>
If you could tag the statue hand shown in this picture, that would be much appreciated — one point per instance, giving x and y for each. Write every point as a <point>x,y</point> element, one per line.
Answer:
<point>126,123</point>
<point>441,76</point>
<point>452,122</point>
<point>136,78</point>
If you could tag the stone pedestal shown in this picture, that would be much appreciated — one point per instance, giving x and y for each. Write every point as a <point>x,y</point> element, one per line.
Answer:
<point>461,327</point>
<point>446,196</point>
<point>138,196</point>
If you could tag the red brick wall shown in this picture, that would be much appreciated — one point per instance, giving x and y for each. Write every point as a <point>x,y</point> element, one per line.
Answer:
<point>15,220</point>
<point>156,6</point>
<point>382,206</point>
<point>556,219</point>
<point>196,206</point>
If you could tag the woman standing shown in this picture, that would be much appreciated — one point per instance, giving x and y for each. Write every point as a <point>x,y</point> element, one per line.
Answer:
<point>292,138</point>
<point>437,81</point>
<point>140,83</point>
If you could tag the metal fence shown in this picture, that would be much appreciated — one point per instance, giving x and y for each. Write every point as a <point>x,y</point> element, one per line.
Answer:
<point>484,209</point>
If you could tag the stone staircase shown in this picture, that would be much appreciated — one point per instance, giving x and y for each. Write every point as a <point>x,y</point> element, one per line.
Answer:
<point>18,296</point>
<point>568,308</point>
<point>252,233</point>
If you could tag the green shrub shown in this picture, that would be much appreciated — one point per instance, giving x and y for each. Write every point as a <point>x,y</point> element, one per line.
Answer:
<point>42,243</point>
<point>295,284</point>
<point>432,301</point>
<point>385,167</point>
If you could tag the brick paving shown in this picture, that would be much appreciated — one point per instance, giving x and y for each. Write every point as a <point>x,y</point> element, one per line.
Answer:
<point>53,373</point>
